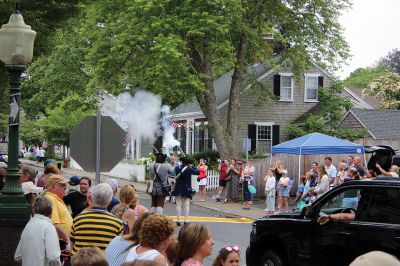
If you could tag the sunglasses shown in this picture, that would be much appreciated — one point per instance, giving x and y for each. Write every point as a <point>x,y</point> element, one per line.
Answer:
<point>230,248</point>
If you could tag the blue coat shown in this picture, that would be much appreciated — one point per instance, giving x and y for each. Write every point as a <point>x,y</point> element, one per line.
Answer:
<point>184,182</point>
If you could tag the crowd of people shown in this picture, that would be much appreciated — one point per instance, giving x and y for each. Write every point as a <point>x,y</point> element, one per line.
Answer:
<point>318,180</point>
<point>77,223</point>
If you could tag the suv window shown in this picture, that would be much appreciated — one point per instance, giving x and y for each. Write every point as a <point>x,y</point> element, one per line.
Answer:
<point>384,206</point>
<point>345,199</point>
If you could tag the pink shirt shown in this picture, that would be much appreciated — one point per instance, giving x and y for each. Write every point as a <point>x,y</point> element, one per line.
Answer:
<point>192,262</point>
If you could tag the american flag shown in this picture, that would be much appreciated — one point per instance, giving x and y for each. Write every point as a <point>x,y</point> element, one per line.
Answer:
<point>127,138</point>
<point>174,125</point>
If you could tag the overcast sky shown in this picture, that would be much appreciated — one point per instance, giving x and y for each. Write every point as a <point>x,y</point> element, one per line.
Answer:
<point>372,29</point>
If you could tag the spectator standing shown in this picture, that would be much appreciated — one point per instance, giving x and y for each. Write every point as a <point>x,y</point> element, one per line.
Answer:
<point>322,182</point>
<point>114,186</point>
<point>194,244</point>
<point>160,170</point>
<point>27,180</point>
<point>202,179</point>
<point>283,192</point>
<point>39,241</point>
<point>96,227</point>
<point>393,171</point>
<point>350,197</point>
<point>154,237</point>
<point>138,209</point>
<point>350,161</point>
<point>270,184</point>
<point>56,187</point>
<point>300,189</point>
<point>49,168</point>
<point>233,181</point>
<point>3,171</point>
<point>370,174</point>
<point>342,173</point>
<point>123,210</point>
<point>78,199</point>
<point>248,177</point>
<point>118,248</point>
<point>305,197</point>
<point>359,167</point>
<point>314,170</point>
<point>40,155</point>
<point>222,168</point>
<point>91,256</point>
<point>331,171</point>
<point>183,188</point>
<point>228,256</point>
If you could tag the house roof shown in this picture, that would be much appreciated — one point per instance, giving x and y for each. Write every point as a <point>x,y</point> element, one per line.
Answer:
<point>371,100</point>
<point>222,87</point>
<point>382,124</point>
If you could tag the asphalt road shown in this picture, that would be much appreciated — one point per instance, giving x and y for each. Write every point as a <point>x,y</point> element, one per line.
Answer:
<point>226,232</point>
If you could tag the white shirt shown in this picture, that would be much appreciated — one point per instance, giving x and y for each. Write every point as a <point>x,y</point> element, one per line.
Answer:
<point>331,171</point>
<point>29,187</point>
<point>147,255</point>
<point>39,243</point>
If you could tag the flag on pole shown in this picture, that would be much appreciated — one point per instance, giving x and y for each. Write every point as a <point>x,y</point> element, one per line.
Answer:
<point>174,125</point>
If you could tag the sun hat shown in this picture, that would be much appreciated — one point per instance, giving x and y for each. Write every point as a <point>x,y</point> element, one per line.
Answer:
<point>3,165</point>
<point>113,183</point>
<point>54,179</point>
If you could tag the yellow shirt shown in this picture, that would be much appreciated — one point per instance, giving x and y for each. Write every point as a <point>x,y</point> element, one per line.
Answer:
<point>60,214</point>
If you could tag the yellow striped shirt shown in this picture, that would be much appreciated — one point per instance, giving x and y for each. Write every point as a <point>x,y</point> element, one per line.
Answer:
<point>94,228</point>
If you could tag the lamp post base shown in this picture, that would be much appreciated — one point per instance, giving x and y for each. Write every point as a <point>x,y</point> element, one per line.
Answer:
<point>10,232</point>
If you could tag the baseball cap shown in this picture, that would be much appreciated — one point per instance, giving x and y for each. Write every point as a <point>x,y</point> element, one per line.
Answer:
<point>112,182</point>
<point>3,165</point>
<point>48,161</point>
<point>74,180</point>
<point>375,258</point>
<point>54,179</point>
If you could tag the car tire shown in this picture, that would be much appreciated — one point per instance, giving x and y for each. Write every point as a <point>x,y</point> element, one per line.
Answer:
<point>271,258</point>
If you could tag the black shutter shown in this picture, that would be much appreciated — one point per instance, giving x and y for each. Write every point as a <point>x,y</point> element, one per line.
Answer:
<point>320,81</point>
<point>252,135</point>
<point>275,135</point>
<point>277,85</point>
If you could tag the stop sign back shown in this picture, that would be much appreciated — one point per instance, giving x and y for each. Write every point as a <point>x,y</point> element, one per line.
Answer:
<point>83,144</point>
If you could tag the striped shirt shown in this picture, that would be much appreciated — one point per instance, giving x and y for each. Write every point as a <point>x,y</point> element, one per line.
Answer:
<point>117,250</point>
<point>94,228</point>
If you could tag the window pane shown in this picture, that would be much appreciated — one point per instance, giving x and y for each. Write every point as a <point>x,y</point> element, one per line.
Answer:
<point>346,199</point>
<point>264,132</point>
<point>286,81</point>
<point>312,82</point>
<point>286,94</point>
<point>311,94</point>
<point>384,207</point>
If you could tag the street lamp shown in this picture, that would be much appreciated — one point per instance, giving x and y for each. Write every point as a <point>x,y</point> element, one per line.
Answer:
<point>16,50</point>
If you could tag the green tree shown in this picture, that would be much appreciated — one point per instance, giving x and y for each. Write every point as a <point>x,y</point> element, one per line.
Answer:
<point>362,77</point>
<point>387,89</point>
<point>177,48</point>
<point>391,60</point>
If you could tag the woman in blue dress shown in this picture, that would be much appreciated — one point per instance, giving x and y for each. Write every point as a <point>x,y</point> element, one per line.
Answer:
<point>183,187</point>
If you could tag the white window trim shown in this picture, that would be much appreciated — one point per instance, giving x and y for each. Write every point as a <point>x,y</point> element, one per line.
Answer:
<point>313,75</point>
<point>263,124</point>
<point>284,74</point>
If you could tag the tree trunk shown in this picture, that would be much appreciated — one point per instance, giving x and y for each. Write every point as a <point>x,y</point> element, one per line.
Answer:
<point>50,151</point>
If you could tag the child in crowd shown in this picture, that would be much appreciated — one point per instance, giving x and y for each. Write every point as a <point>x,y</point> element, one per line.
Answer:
<point>284,191</point>
<point>228,256</point>
<point>270,184</point>
<point>313,195</point>
<point>89,256</point>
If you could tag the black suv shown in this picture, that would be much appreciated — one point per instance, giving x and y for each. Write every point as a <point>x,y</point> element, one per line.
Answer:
<point>297,239</point>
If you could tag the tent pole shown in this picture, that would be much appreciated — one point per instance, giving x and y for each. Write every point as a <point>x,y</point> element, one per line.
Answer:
<point>298,178</point>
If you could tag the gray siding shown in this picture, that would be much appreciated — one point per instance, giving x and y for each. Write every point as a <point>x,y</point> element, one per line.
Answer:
<point>281,113</point>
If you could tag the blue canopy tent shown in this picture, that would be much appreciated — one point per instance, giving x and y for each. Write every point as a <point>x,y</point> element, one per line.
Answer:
<point>317,143</point>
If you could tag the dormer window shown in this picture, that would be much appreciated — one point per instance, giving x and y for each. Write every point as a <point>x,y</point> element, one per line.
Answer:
<point>312,83</point>
<point>283,87</point>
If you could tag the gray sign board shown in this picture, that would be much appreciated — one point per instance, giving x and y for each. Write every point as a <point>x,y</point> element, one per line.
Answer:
<point>83,144</point>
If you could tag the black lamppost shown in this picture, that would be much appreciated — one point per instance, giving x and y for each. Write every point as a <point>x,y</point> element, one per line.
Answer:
<point>16,50</point>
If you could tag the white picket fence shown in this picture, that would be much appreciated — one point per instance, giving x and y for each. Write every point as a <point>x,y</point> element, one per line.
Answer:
<point>212,180</point>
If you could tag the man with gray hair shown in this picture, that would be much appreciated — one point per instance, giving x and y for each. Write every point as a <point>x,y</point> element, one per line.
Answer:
<point>96,227</point>
<point>39,240</point>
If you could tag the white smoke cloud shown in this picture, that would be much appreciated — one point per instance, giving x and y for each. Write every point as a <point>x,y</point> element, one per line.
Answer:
<point>140,115</point>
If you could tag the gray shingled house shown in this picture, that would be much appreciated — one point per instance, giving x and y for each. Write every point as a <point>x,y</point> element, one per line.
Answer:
<point>382,126</point>
<point>265,124</point>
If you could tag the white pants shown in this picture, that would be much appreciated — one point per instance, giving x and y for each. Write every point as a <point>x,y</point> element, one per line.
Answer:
<point>185,202</point>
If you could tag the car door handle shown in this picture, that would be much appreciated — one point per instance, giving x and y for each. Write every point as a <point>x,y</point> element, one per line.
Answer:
<point>344,234</point>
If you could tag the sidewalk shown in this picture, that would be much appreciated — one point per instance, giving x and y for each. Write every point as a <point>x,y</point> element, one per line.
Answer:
<point>228,209</point>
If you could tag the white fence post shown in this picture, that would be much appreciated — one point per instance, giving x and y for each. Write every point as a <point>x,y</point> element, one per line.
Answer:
<point>212,180</point>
